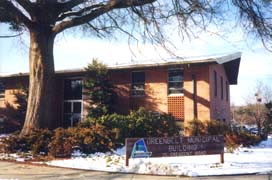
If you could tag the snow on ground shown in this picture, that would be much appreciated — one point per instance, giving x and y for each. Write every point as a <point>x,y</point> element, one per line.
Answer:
<point>257,159</point>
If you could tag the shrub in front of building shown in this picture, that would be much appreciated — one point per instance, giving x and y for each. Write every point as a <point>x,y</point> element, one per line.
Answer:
<point>36,142</point>
<point>233,138</point>
<point>98,89</point>
<point>88,140</point>
<point>140,123</point>
<point>60,142</point>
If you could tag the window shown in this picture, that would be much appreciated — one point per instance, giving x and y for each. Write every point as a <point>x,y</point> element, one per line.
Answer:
<point>73,89</point>
<point>175,81</point>
<point>2,90</point>
<point>215,83</point>
<point>222,88</point>
<point>227,91</point>
<point>138,83</point>
<point>72,107</point>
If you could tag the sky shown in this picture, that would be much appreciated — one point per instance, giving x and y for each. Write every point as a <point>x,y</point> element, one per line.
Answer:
<point>74,50</point>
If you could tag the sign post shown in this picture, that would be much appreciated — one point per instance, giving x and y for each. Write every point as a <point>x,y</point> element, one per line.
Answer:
<point>222,158</point>
<point>174,146</point>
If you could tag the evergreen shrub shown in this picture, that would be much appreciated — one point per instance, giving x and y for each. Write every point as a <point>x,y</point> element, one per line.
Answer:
<point>36,142</point>
<point>140,123</point>
<point>88,139</point>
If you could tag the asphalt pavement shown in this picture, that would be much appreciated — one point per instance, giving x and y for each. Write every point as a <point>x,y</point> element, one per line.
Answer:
<point>18,171</point>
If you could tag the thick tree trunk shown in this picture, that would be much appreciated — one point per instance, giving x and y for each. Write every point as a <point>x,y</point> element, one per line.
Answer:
<point>41,81</point>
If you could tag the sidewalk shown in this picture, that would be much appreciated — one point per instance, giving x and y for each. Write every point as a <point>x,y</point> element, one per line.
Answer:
<point>18,171</point>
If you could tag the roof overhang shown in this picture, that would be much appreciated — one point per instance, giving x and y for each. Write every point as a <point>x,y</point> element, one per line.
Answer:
<point>231,63</point>
<point>232,70</point>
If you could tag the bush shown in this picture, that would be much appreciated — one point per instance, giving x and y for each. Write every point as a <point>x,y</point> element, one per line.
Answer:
<point>99,89</point>
<point>61,142</point>
<point>36,142</point>
<point>233,138</point>
<point>140,123</point>
<point>88,139</point>
<point>211,127</point>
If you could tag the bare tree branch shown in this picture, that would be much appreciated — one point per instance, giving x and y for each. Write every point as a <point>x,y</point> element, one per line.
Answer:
<point>14,13</point>
<point>70,4</point>
<point>10,36</point>
<point>78,13</point>
<point>255,17</point>
<point>27,5</point>
<point>112,4</point>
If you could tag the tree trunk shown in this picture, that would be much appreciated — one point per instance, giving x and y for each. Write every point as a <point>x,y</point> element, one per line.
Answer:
<point>41,81</point>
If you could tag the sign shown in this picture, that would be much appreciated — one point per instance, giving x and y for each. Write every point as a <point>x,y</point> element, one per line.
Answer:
<point>140,150</point>
<point>174,146</point>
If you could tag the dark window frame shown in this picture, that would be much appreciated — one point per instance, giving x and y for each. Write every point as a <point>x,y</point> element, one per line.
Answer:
<point>222,87</point>
<point>227,91</point>
<point>215,83</point>
<point>70,101</point>
<point>2,90</point>
<point>137,87</point>
<point>175,81</point>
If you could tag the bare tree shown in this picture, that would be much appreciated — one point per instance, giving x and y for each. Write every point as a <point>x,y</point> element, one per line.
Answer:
<point>45,19</point>
<point>255,111</point>
<point>255,18</point>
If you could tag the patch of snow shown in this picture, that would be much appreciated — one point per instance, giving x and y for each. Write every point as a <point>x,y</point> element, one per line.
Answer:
<point>257,159</point>
<point>4,135</point>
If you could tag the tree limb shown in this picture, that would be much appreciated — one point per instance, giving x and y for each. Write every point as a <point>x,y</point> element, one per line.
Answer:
<point>10,36</point>
<point>70,4</point>
<point>14,14</point>
<point>78,13</point>
<point>112,4</point>
<point>27,5</point>
<point>131,3</point>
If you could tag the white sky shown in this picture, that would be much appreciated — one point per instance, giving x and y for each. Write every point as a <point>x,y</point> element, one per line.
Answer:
<point>76,51</point>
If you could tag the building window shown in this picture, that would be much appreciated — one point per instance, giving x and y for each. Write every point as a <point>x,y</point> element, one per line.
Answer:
<point>72,107</point>
<point>215,83</point>
<point>138,83</point>
<point>72,89</point>
<point>222,88</point>
<point>175,81</point>
<point>227,91</point>
<point>2,91</point>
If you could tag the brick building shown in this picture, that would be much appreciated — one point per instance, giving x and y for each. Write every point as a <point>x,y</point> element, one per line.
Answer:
<point>188,89</point>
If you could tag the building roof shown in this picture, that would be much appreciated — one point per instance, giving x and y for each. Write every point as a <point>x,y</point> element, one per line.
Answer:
<point>231,63</point>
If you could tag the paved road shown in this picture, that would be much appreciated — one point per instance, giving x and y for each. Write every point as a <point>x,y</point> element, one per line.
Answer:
<point>18,171</point>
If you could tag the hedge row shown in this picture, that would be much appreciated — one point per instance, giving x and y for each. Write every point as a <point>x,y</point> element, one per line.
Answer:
<point>101,135</point>
<point>141,123</point>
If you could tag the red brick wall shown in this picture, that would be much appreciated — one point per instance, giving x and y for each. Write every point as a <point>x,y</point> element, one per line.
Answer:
<point>12,85</point>
<point>220,108</point>
<point>155,97</point>
<point>121,82</point>
<point>203,95</point>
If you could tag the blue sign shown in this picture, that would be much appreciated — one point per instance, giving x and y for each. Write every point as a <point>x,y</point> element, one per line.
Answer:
<point>140,150</point>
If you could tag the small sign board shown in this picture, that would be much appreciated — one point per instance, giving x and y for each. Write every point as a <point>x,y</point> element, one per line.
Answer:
<point>174,146</point>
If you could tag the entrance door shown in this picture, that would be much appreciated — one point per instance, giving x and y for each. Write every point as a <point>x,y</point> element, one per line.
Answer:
<point>72,107</point>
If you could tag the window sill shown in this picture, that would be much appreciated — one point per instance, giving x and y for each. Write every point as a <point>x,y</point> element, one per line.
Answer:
<point>178,94</point>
